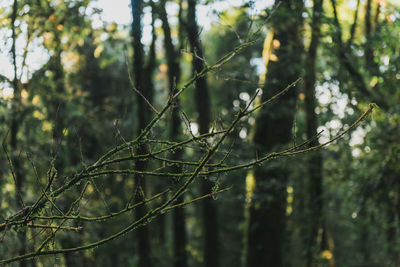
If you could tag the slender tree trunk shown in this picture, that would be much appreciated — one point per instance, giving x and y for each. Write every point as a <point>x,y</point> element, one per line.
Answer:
<point>179,229</point>
<point>353,26</point>
<point>370,63</point>
<point>143,240</point>
<point>14,128</point>
<point>209,208</point>
<point>314,164</point>
<point>161,222</point>
<point>266,212</point>
<point>369,56</point>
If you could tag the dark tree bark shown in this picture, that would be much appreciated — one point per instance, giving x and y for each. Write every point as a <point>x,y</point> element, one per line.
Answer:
<point>14,121</point>
<point>14,128</point>
<point>201,89</point>
<point>266,212</point>
<point>314,161</point>
<point>174,71</point>
<point>209,208</point>
<point>369,53</point>
<point>141,76</point>
<point>370,31</point>
<point>353,26</point>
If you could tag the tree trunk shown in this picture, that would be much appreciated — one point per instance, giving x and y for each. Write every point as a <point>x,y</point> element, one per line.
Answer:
<point>209,208</point>
<point>314,161</point>
<point>369,53</point>
<point>266,212</point>
<point>142,235</point>
<point>370,64</point>
<point>14,128</point>
<point>174,71</point>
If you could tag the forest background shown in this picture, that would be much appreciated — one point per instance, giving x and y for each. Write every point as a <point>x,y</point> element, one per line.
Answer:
<point>200,133</point>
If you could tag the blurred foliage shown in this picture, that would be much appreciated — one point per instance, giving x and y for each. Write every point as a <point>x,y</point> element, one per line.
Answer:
<point>80,103</point>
